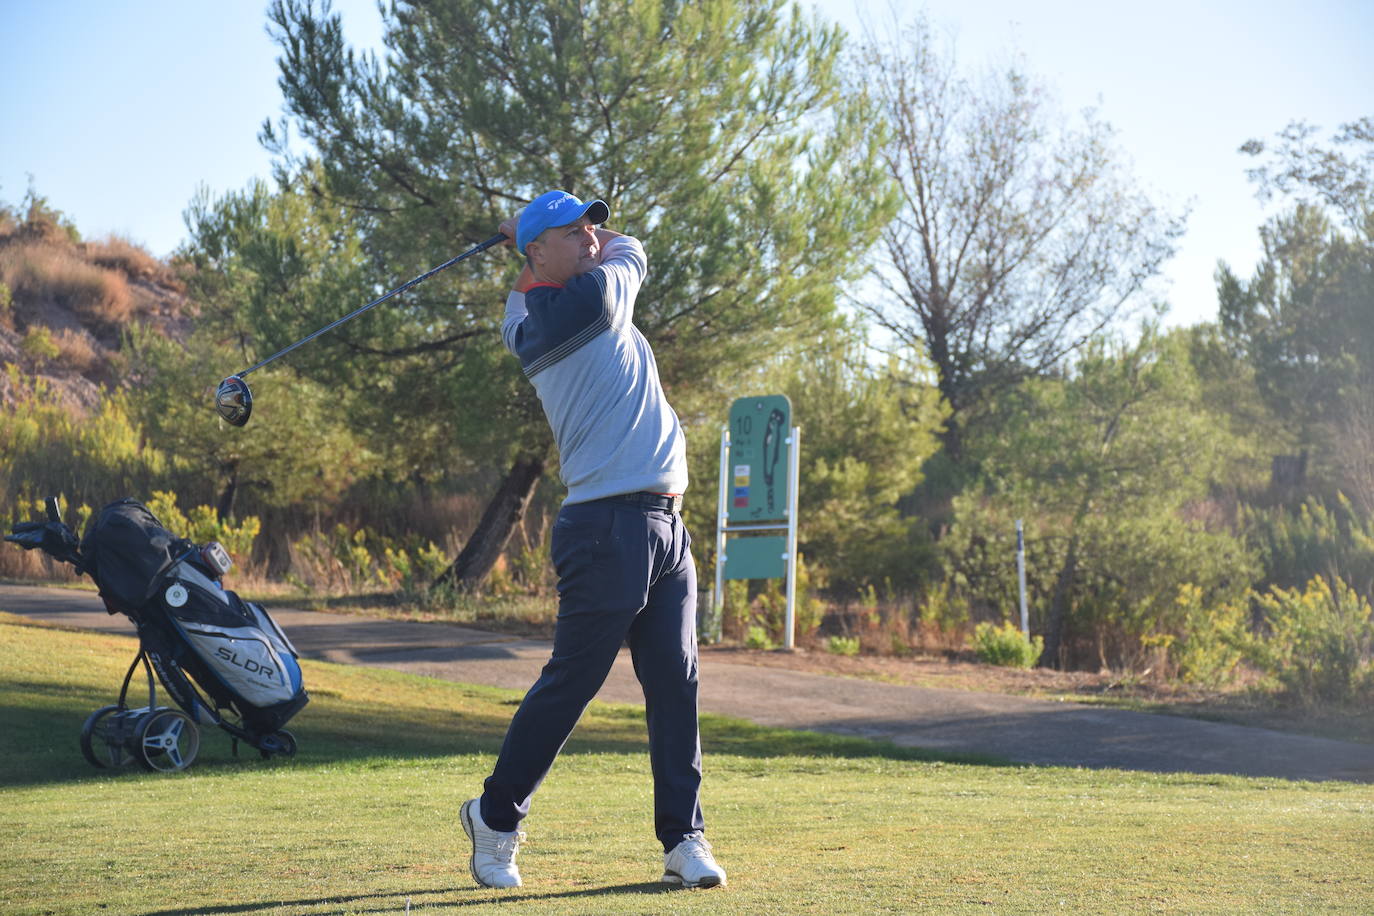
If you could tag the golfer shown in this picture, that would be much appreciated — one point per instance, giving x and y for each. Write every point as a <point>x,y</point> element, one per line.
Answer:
<point>623,557</point>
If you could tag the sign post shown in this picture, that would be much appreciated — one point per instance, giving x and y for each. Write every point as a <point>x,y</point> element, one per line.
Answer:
<point>759,470</point>
<point>1021,577</point>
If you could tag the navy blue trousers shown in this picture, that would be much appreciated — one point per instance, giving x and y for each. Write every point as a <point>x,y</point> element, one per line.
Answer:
<point>625,574</point>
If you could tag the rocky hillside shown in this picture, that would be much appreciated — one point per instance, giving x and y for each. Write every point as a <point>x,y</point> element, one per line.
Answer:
<point>66,304</point>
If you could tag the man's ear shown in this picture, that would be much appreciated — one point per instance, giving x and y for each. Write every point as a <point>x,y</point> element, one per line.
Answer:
<point>534,253</point>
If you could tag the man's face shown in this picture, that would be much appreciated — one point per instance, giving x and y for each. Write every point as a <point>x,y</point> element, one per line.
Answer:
<point>562,252</point>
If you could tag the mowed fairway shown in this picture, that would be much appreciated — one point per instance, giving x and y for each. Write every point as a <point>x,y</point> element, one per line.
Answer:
<point>364,819</point>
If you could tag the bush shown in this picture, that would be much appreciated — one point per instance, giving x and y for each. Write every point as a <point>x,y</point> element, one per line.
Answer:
<point>44,221</point>
<point>115,253</point>
<point>202,525</point>
<point>1317,644</point>
<point>1321,538</point>
<point>758,638</point>
<point>530,567</point>
<point>345,560</point>
<point>1120,583</point>
<point>38,343</point>
<point>1004,645</point>
<point>941,610</point>
<point>843,645</point>
<point>768,607</point>
<point>48,449</point>
<point>1210,648</point>
<point>74,350</point>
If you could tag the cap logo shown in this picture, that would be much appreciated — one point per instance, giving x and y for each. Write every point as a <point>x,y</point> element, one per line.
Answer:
<point>555,204</point>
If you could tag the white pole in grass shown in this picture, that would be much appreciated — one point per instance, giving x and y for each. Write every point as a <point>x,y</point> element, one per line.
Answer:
<point>789,637</point>
<point>711,631</point>
<point>1021,577</point>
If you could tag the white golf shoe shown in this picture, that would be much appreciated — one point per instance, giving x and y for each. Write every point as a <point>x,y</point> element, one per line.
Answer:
<point>493,851</point>
<point>691,864</point>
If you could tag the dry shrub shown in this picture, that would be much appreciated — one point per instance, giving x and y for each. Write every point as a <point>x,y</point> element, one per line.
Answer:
<point>47,272</point>
<point>115,253</point>
<point>40,230</point>
<point>33,565</point>
<point>451,518</point>
<point>74,350</point>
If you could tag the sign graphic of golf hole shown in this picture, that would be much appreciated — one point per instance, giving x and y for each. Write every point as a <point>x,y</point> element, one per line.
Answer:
<point>758,457</point>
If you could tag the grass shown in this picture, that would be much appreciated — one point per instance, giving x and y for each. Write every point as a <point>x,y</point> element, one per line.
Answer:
<point>364,819</point>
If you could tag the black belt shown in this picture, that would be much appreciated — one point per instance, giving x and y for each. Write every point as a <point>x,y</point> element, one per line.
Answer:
<point>650,500</point>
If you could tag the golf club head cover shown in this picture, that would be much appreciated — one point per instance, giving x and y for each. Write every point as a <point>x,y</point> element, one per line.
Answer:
<point>53,538</point>
<point>27,535</point>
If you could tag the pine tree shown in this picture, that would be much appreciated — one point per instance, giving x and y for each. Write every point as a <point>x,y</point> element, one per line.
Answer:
<point>715,130</point>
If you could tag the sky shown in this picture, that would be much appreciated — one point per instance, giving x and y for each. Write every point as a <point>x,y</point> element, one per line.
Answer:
<point>119,112</point>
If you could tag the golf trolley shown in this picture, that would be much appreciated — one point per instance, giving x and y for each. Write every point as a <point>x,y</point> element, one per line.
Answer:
<point>221,659</point>
<point>156,737</point>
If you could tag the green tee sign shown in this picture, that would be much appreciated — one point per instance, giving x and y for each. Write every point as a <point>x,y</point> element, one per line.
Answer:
<point>758,461</point>
<point>756,558</point>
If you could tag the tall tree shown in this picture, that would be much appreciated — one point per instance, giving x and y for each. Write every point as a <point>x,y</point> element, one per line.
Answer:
<point>1020,235</point>
<point>716,130</point>
<point>1305,319</point>
<point>1103,465</point>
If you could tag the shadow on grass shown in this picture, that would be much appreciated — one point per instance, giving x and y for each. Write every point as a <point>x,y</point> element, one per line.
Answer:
<point>42,722</point>
<point>46,737</point>
<point>355,714</point>
<point>397,901</point>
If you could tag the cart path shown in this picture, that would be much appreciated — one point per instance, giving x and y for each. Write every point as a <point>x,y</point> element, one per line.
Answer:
<point>1013,728</point>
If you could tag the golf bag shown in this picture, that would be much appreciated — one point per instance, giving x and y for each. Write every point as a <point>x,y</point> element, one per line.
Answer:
<point>223,660</point>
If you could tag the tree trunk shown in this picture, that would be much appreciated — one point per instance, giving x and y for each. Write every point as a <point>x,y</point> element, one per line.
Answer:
<point>225,508</point>
<point>503,513</point>
<point>952,439</point>
<point>948,379</point>
<point>1063,589</point>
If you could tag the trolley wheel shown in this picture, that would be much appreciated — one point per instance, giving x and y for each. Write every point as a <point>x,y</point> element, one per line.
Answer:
<point>277,744</point>
<point>103,741</point>
<point>167,741</point>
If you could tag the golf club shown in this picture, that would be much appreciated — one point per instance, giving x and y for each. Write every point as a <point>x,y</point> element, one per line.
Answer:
<point>234,400</point>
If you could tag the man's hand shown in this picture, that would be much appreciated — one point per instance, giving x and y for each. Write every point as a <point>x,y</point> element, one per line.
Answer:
<point>508,229</point>
<point>604,235</point>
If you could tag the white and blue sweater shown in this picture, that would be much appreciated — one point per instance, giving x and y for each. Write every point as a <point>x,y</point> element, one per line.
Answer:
<point>597,379</point>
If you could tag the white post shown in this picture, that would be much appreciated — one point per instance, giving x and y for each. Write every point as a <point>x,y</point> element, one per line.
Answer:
<point>793,477</point>
<point>718,594</point>
<point>1021,577</point>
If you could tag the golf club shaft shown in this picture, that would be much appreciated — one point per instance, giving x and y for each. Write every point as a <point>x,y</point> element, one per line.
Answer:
<point>494,240</point>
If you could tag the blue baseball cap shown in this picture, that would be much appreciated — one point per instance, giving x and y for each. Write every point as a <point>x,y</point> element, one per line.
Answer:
<point>556,208</point>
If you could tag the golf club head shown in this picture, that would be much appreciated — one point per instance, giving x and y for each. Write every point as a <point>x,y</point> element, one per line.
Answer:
<point>233,401</point>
